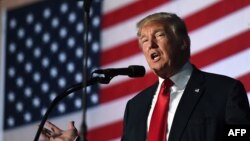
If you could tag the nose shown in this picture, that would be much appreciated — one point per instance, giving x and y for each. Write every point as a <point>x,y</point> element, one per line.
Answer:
<point>153,43</point>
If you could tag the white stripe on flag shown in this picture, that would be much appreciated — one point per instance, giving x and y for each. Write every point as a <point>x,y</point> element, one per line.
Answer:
<point>115,110</point>
<point>111,5</point>
<point>220,30</point>
<point>109,38</point>
<point>23,133</point>
<point>225,66</point>
<point>185,8</point>
<point>232,66</point>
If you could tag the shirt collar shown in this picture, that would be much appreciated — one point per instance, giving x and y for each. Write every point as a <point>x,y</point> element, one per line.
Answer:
<point>181,78</point>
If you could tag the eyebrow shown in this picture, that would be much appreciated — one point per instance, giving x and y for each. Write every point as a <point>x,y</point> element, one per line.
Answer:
<point>141,37</point>
<point>156,31</point>
<point>159,30</point>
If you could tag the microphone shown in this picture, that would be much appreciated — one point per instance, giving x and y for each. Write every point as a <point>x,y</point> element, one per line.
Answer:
<point>131,71</point>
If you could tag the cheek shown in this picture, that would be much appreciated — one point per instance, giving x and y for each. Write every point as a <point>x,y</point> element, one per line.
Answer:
<point>166,50</point>
<point>144,51</point>
<point>146,55</point>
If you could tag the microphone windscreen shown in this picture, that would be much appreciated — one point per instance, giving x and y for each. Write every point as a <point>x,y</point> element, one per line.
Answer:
<point>136,71</point>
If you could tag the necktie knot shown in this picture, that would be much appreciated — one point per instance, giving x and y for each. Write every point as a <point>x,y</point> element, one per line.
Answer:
<point>166,84</point>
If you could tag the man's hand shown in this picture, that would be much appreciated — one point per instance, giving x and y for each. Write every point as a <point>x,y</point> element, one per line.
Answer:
<point>52,133</point>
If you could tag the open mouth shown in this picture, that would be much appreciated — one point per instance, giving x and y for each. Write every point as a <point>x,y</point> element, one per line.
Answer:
<point>155,56</point>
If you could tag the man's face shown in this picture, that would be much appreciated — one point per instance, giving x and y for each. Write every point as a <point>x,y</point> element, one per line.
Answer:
<point>157,49</point>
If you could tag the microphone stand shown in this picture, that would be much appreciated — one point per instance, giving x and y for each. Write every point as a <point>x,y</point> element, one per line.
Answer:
<point>73,88</point>
<point>87,4</point>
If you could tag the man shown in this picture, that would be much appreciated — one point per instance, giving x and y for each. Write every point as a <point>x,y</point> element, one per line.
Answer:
<point>201,104</point>
<point>186,104</point>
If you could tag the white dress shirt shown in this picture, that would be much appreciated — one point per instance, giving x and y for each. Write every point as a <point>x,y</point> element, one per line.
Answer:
<point>180,80</point>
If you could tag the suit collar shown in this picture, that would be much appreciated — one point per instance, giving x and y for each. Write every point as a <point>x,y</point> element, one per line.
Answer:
<point>190,98</point>
<point>181,78</point>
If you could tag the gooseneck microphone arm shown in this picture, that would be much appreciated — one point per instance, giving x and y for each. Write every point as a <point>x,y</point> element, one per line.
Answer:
<point>107,75</point>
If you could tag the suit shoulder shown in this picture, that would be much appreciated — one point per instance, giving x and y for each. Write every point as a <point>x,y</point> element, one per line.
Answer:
<point>219,79</point>
<point>149,90</point>
<point>222,81</point>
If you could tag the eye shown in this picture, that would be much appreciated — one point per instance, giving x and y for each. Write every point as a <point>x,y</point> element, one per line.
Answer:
<point>143,40</point>
<point>160,34</point>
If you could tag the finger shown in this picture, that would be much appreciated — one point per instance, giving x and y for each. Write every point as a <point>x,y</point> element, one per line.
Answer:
<point>53,127</point>
<point>72,128</point>
<point>71,125</point>
<point>46,133</point>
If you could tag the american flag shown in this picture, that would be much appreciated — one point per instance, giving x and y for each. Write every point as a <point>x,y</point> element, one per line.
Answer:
<point>43,56</point>
<point>219,32</point>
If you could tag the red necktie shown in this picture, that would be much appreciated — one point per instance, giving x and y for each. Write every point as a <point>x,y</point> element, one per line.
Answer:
<point>158,123</point>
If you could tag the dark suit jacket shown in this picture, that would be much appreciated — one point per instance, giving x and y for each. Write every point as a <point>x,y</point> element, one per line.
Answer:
<point>209,102</point>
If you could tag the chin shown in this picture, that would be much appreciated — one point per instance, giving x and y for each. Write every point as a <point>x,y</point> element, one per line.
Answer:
<point>157,70</point>
<point>162,70</point>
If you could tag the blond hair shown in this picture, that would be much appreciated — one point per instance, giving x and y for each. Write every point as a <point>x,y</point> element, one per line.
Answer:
<point>175,28</point>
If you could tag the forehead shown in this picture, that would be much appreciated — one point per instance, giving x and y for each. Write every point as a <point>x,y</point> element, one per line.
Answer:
<point>152,26</point>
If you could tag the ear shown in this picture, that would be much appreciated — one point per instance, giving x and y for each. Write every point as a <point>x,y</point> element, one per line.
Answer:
<point>185,43</point>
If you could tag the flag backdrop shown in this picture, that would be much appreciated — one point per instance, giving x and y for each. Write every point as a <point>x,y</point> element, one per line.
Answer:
<point>43,52</point>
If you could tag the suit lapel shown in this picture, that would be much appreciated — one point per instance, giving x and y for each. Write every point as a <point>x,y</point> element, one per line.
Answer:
<point>190,97</point>
<point>145,104</point>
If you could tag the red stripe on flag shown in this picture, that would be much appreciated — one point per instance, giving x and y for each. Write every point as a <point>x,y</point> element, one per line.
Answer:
<point>107,132</point>
<point>117,53</point>
<point>225,49</point>
<point>110,55</point>
<point>129,11</point>
<point>201,59</point>
<point>127,87</point>
<point>245,79</point>
<point>214,12</point>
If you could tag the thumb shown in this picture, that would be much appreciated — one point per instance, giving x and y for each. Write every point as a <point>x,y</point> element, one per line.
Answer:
<point>71,125</point>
